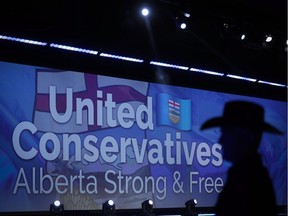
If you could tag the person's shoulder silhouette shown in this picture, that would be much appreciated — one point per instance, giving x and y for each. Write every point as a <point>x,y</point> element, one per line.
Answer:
<point>248,189</point>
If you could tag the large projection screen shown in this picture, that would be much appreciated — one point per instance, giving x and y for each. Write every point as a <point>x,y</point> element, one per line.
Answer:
<point>84,138</point>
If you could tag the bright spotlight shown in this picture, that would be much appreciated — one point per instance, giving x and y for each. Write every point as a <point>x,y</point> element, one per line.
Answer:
<point>56,208</point>
<point>147,208</point>
<point>243,36</point>
<point>145,12</point>
<point>183,26</point>
<point>187,15</point>
<point>268,38</point>
<point>108,208</point>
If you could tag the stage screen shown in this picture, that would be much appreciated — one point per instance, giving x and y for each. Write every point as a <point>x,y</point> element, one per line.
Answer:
<point>85,138</point>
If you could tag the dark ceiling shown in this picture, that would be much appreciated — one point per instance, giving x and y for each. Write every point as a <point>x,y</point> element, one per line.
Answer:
<point>117,27</point>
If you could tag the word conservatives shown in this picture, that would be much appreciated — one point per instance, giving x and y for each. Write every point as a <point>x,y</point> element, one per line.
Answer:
<point>110,150</point>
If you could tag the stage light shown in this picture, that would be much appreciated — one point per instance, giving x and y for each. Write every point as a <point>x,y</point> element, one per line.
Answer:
<point>226,25</point>
<point>145,12</point>
<point>207,72</point>
<point>243,36</point>
<point>268,38</point>
<point>56,208</point>
<point>108,208</point>
<point>241,78</point>
<point>181,21</point>
<point>190,207</point>
<point>121,57</point>
<point>22,40</point>
<point>169,65</point>
<point>147,208</point>
<point>272,83</point>
<point>74,49</point>
<point>183,26</point>
<point>187,15</point>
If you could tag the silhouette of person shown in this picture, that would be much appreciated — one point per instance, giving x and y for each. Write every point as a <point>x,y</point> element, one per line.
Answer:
<point>248,189</point>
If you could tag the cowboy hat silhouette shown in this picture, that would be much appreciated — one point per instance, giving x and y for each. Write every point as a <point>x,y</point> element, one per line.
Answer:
<point>242,114</point>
